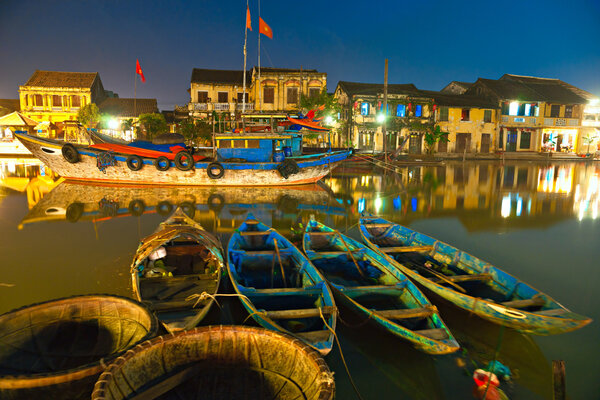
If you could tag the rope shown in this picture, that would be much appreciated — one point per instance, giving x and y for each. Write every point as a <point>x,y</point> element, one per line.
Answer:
<point>381,164</point>
<point>341,354</point>
<point>204,295</point>
<point>357,325</point>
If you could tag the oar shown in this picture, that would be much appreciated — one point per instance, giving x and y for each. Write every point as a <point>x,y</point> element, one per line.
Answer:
<point>440,276</point>
<point>350,253</point>
<point>279,259</point>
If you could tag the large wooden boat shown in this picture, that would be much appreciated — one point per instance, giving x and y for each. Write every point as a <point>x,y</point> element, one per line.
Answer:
<point>364,281</point>
<point>57,349</point>
<point>278,285</point>
<point>232,167</point>
<point>177,271</point>
<point>467,281</point>
<point>218,362</point>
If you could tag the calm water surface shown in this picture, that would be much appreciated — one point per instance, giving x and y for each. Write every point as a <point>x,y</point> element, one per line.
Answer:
<point>538,222</point>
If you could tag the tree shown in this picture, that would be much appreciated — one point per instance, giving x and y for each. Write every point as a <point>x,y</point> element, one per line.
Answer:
<point>330,108</point>
<point>433,136</point>
<point>589,139</point>
<point>89,115</point>
<point>153,124</point>
<point>194,130</point>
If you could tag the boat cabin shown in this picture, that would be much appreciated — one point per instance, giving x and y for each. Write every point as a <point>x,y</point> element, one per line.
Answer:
<point>256,147</point>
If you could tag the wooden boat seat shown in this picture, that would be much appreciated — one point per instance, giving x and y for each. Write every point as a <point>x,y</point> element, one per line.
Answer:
<point>300,313</point>
<point>423,312</point>
<point>314,336</point>
<point>336,253</point>
<point>184,250</point>
<point>533,302</point>
<point>251,222</point>
<point>357,290</point>
<point>321,233</point>
<point>435,334</point>
<point>406,249</point>
<point>173,290</point>
<point>377,225</point>
<point>465,278</point>
<point>255,233</point>
<point>269,252</point>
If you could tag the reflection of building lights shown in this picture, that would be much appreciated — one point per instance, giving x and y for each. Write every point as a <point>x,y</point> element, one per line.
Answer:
<point>529,207</point>
<point>413,203</point>
<point>519,206</point>
<point>378,204</point>
<point>505,211</point>
<point>397,203</point>
<point>361,205</point>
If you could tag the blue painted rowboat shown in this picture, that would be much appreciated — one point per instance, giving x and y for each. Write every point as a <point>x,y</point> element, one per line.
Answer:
<point>365,282</point>
<point>467,281</point>
<point>278,285</point>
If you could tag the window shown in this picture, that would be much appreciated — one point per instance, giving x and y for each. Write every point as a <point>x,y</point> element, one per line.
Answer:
<point>202,97</point>
<point>568,111</point>
<point>239,144</point>
<point>56,101</point>
<point>39,102</point>
<point>443,114</point>
<point>401,110</point>
<point>554,110</point>
<point>76,101</point>
<point>292,95</point>
<point>269,95</point>
<point>225,143</point>
<point>313,92</point>
<point>223,97</point>
<point>465,114</point>
<point>418,110</point>
<point>487,115</point>
<point>525,140</point>
<point>501,139</point>
<point>505,108</point>
<point>240,97</point>
<point>364,108</point>
<point>513,108</point>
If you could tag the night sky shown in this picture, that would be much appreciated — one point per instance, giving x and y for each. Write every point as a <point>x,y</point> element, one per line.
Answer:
<point>428,43</point>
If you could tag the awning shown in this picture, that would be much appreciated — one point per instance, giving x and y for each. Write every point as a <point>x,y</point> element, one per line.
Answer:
<point>16,119</point>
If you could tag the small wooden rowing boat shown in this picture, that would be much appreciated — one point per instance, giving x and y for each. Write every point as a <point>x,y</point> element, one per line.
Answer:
<point>278,285</point>
<point>58,348</point>
<point>365,282</point>
<point>177,271</point>
<point>218,362</point>
<point>468,281</point>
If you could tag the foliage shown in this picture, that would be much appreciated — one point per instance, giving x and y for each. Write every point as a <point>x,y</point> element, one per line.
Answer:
<point>413,124</point>
<point>330,105</point>
<point>432,136</point>
<point>153,124</point>
<point>194,130</point>
<point>127,125</point>
<point>589,139</point>
<point>89,115</point>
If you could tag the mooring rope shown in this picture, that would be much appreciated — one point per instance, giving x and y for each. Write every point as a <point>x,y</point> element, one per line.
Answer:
<point>204,295</point>
<point>341,354</point>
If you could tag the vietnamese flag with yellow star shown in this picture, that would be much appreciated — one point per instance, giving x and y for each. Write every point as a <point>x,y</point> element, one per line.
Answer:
<point>264,28</point>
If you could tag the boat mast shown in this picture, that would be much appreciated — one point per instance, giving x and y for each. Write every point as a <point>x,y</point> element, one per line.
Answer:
<point>244,90</point>
<point>259,83</point>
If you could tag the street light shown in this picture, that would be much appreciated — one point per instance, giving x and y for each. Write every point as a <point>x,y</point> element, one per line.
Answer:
<point>113,124</point>
<point>329,120</point>
<point>380,118</point>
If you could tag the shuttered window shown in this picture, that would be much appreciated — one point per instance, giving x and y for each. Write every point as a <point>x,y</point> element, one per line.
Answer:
<point>443,113</point>
<point>292,95</point>
<point>56,101</point>
<point>202,97</point>
<point>487,115</point>
<point>75,101</point>
<point>269,95</point>
<point>223,97</point>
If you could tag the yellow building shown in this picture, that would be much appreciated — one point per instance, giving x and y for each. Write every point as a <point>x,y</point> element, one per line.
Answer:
<point>470,121</point>
<point>277,90</point>
<point>53,98</point>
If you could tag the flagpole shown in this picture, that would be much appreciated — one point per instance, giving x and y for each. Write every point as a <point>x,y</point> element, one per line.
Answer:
<point>135,91</point>
<point>259,82</point>
<point>244,91</point>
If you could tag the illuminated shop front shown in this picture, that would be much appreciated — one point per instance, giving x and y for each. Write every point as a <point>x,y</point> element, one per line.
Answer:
<point>555,139</point>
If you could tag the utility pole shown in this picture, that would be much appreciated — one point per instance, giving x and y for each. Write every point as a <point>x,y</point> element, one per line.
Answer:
<point>383,130</point>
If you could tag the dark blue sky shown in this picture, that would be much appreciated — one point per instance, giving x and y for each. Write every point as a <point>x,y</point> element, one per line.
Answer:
<point>428,43</point>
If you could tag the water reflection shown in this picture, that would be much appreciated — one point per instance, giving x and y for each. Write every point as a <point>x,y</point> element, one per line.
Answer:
<point>482,195</point>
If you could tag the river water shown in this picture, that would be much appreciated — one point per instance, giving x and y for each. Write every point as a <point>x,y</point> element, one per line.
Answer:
<point>539,222</point>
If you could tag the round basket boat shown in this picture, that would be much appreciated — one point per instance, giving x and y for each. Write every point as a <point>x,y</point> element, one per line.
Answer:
<point>57,349</point>
<point>218,362</point>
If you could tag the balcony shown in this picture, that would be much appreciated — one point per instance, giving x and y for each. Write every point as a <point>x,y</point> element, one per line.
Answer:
<point>561,122</point>
<point>510,119</point>
<point>249,107</point>
<point>221,106</point>
<point>199,106</point>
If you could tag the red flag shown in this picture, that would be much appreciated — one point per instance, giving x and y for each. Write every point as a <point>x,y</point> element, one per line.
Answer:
<point>138,70</point>
<point>248,21</point>
<point>264,28</point>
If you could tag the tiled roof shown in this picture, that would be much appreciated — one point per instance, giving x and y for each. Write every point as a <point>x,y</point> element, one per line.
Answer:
<point>220,76</point>
<point>284,70</point>
<point>460,100</point>
<point>62,79</point>
<point>358,88</point>
<point>124,108</point>
<point>553,90</point>
<point>457,87</point>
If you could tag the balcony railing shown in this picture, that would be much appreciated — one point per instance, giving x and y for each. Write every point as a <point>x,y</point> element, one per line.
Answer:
<point>561,121</point>
<point>221,106</point>
<point>200,106</point>
<point>510,119</point>
<point>249,107</point>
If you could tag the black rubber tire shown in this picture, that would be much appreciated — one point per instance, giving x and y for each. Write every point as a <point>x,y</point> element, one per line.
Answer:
<point>188,208</point>
<point>134,162</point>
<point>215,165</point>
<point>137,207</point>
<point>215,202</point>
<point>164,208</point>
<point>158,163</point>
<point>184,161</point>
<point>70,153</point>
<point>74,212</point>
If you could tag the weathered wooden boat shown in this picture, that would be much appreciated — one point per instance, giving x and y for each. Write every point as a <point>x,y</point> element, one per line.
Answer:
<point>177,271</point>
<point>467,281</point>
<point>98,138</point>
<point>242,160</point>
<point>218,362</point>
<point>57,349</point>
<point>278,285</point>
<point>364,281</point>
